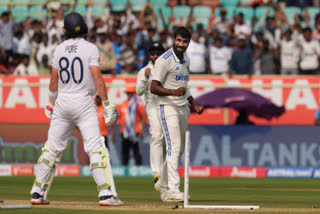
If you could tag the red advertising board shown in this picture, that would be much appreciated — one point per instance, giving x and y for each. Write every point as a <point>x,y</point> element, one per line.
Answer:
<point>225,172</point>
<point>22,98</point>
<point>22,170</point>
<point>68,170</point>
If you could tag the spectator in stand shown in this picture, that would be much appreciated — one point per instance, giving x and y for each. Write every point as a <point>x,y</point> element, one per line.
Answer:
<point>310,51</point>
<point>221,23</point>
<point>56,23</point>
<point>268,26</point>
<point>165,39</point>
<point>22,43</point>
<point>219,57</point>
<point>133,120</point>
<point>146,44</point>
<point>6,36</point>
<point>241,27</point>
<point>198,55</point>
<point>129,56</point>
<point>3,67</point>
<point>107,57</point>
<point>25,68</point>
<point>146,16</point>
<point>117,45</point>
<point>289,54</point>
<point>316,32</point>
<point>267,59</point>
<point>242,59</point>
<point>42,54</point>
<point>13,63</point>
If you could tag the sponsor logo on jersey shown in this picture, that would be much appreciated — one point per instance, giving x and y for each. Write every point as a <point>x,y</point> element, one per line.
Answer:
<point>182,77</point>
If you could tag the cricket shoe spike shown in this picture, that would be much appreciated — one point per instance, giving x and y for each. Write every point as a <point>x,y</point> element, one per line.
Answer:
<point>109,200</point>
<point>37,199</point>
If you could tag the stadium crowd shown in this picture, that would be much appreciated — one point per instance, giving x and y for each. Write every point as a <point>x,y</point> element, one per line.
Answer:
<point>235,37</point>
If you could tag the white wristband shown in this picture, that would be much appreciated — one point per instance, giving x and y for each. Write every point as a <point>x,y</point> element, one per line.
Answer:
<point>52,95</point>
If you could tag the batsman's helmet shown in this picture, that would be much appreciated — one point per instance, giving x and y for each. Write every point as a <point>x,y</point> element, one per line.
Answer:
<point>74,25</point>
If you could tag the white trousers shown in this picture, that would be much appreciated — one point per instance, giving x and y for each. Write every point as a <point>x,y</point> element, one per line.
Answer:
<point>157,139</point>
<point>72,110</point>
<point>174,121</point>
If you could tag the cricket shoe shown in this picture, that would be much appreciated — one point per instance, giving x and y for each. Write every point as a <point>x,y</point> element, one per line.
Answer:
<point>119,202</point>
<point>160,188</point>
<point>156,178</point>
<point>109,200</point>
<point>171,196</point>
<point>37,199</point>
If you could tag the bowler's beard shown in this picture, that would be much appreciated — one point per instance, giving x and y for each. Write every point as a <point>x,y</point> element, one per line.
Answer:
<point>177,52</point>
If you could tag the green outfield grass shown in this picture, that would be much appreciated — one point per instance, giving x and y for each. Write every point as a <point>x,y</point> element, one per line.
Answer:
<point>278,194</point>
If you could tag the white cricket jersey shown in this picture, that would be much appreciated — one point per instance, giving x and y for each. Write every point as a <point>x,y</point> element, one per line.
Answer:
<point>219,59</point>
<point>143,84</point>
<point>72,58</point>
<point>197,54</point>
<point>172,74</point>
<point>289,54</point>
<point>310,53</point>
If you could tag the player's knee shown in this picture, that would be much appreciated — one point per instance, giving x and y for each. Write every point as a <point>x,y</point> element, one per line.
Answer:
<point>48,157</point>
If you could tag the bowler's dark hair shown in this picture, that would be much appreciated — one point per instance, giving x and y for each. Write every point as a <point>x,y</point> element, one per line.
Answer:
<point>183,32</point>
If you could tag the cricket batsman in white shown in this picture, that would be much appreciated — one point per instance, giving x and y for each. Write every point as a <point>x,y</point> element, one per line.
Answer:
<point>170,83</point>
<point>76,72</point>
<point>143,88</point>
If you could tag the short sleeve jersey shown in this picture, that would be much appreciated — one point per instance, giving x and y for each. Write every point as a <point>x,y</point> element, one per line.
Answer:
<point>172,73</point>
<point>72,58</point>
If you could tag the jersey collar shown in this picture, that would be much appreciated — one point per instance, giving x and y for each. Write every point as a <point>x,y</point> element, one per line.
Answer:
<point>176,59</point>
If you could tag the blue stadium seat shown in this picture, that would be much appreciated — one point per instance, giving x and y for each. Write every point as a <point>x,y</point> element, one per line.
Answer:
<point>97,10</point>
<point>158,3</point>
<point>166,11</point>
<point>230,11</point>
<point>118,5</point>
<point>181,12</point>
<point>202,14</point>
<point>82,2</point>
<point>100,2</point>
<point>137,5</point>
<point>227,3</point>
<point>290,13</point>
<point>260,11</point>
<point>37,12</point>
<point>3,8</point>
<point>248,13</point>
<point>20,13</point>
<point>20,2</point>
<point>81,8</point>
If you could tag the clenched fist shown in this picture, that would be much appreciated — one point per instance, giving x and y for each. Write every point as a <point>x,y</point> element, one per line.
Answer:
<point>179,92</point>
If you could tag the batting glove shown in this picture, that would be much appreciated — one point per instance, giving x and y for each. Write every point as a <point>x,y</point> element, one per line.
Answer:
<point>48,110</point>
<point>110,113</point>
